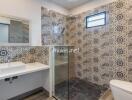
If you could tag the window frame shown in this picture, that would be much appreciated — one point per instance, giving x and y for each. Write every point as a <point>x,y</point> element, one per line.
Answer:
<point>96,20</point>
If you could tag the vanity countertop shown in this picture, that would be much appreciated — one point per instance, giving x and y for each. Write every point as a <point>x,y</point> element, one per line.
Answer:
<point>29,68</point>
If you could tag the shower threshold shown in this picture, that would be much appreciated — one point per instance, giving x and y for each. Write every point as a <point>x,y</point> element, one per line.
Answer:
<point>53,98</point>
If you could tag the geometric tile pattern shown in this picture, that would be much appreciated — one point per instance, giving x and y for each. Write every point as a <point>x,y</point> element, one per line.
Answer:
<point>105,51</point>
<point>25,54</point>
<point>53,27</point>
<point>78,90</point>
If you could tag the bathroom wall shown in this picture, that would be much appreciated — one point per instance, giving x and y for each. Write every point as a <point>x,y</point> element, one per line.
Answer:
<point>24,54</point>
<point>53,27</point>
<point>52,36</point>
<point>105,51</point>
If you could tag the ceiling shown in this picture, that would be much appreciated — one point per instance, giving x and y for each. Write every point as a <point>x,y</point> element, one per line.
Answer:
<point>69,4</point>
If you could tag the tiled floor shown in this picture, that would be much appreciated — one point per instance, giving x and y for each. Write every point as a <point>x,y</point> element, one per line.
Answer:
<point>78,90</point>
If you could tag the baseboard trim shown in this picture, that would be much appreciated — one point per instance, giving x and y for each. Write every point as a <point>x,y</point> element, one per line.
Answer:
<point>30,93</point>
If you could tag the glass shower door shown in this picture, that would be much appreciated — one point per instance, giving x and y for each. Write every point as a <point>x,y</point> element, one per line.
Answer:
<point>61,72</point>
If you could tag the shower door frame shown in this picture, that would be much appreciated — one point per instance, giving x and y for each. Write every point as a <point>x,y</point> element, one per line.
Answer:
<point>52,70</point>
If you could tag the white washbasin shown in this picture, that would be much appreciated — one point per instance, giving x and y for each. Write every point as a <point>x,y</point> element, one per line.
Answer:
<point>13,66</point>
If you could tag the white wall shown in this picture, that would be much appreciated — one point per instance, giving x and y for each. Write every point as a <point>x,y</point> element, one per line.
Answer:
<point>28,9</point>
<point>89,6</point>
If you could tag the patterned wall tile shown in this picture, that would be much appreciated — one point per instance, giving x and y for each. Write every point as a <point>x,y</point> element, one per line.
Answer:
<point>53,27</point>
<point>106,51</point>
<point>106,46</point>
<point>24,54</point>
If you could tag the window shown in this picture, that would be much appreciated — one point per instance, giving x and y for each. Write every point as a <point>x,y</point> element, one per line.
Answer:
<point>96,20</point>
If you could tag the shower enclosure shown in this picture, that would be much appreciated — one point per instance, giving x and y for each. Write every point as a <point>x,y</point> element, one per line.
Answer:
<point>59,58</point>
<point>65,84</point>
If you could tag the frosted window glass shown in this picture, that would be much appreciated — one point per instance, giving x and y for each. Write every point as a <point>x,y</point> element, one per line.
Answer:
<point>97,17</point>
<point>96,23</point>
<point>4,31</point>
<point>96,20</point>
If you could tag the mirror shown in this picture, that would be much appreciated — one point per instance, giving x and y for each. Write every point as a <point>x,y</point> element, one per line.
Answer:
<point>14,30</point>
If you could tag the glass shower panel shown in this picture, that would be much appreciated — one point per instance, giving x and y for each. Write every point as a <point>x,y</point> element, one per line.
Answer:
<point>61,72</point>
